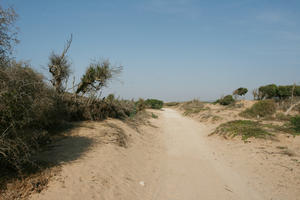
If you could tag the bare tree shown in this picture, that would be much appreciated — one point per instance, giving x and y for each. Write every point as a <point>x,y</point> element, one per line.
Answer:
<point>8,33</point>
<point>292,105</point>
<point>59,67</point>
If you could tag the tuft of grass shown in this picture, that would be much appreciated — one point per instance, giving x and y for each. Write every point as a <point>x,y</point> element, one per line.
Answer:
<point>193,107</point>
<point>244,128</point>
<point>263,108</point>
<point>154,116</point>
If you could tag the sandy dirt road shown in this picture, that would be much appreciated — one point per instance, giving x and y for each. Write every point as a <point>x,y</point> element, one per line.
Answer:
<point>173,161</point>
<point>191,172</point>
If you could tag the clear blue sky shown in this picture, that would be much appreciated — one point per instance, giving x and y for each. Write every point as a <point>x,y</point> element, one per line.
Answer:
<point>170,49</point>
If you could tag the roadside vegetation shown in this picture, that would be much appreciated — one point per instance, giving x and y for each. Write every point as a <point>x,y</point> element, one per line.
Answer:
<point>154,103</point>
<point>275,110</point>
<point>263,108</point>
<point>193,107</point>
<point>244,128</point>
<point>33,110</point>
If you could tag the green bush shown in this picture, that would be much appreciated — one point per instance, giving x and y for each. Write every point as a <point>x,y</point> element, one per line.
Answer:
<point>297,91</point>
<point>227,100</point>
<point>284,92</point>
<point>240,91</point>
<point>244,128</point>
<point>268,91</point>
<point>262,108</point>
<point>154,103</point>
<point>295,122</point>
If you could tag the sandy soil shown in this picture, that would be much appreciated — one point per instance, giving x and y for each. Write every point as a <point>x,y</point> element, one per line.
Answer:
<point>173,159</point>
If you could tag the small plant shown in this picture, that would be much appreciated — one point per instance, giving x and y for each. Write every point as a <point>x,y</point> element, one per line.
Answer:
<point>154,103</point>
<point>262,108</point>
<point>227,100</point>
<point>244,128</point>
<point>154,116</point>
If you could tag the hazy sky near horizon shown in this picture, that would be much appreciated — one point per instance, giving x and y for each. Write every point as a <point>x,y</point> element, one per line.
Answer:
<point>170,49</point>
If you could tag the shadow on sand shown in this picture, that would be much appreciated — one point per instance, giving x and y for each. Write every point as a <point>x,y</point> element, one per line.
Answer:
<point>64,150</point>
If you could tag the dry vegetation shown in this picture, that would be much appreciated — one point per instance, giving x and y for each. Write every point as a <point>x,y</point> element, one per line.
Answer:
<point>33,112</point>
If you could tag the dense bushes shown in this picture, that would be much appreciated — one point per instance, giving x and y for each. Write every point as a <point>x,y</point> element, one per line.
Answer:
<point>280,92</point>
<point>227,100</point>
<point>262,108</point>
<point>29,109</point>
<point>268,91</point>
<point>295,122</point>
<point>154,103</point>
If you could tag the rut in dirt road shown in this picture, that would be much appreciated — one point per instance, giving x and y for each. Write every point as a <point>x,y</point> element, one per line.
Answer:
<point>191,172</point>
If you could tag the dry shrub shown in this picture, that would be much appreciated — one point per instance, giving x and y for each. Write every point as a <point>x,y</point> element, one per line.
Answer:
<point>27,107</point>
<point>193,107</point>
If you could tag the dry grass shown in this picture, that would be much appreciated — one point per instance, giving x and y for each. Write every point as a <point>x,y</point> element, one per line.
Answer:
<point>116,135</point>
<point>22,188</point>
<point>193,107</point>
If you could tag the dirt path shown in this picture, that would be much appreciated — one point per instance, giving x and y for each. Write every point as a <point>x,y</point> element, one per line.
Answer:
<point>191,172</point>
<point>173,161</point>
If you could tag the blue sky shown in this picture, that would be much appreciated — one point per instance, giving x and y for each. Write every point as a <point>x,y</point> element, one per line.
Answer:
<point>170,49</point>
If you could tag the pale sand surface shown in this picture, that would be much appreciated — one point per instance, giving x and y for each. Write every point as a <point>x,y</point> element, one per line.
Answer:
<point>173,159</point>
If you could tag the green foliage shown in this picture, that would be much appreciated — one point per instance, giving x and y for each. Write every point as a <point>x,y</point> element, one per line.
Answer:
<point>227,100</point>
<point>244,128</point>
<point>97,76</point>
<point>268,91</point>
<point>295,122</point>
<point>284,92</point>
<point>262,108</point>
<point>240,91</point>
<point>154,103</point>
<point>297,91</point>
<point>154,116</point>
<point>281,92</point>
